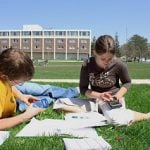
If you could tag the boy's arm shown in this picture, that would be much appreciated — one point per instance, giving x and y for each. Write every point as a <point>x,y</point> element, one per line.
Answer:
<point>17,93</point>
<point>13,121</point>
<point>23,97</point>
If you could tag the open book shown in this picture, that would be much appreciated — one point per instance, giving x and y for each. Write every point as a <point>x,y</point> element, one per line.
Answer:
<point>76,104</point>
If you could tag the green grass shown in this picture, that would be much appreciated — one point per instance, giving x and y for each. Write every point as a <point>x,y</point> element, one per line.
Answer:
<point>58,70</point>
<point>71,70</point>
<point>139,70</point>
<point>134,137</point>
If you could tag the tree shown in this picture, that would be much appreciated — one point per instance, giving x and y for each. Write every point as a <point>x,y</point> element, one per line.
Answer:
<point>93,45</point>
<point>137,46</point>
<point>118,54</point>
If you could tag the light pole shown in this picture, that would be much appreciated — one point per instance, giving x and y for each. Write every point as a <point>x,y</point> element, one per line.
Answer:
<point>77,53</point>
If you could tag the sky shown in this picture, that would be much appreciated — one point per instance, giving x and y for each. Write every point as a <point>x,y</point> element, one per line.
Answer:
<point>122,17</point>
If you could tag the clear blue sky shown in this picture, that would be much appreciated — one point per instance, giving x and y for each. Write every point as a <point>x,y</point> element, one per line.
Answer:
<point>126,17</point>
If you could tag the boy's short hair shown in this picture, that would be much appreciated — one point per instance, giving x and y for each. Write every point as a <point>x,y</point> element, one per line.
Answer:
<point>16,64</point>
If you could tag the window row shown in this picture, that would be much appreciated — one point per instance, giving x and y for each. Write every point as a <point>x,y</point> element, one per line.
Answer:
<point>47,33</point>
<point>45,40</point>
<point>83,47</point>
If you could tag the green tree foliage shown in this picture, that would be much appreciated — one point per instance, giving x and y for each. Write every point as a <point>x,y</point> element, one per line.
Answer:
<point>118,54</point>
<point>137,46</point>
<point>93,45</point>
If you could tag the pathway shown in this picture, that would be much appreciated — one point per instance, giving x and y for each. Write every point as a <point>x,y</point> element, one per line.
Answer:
<point>134,81</point>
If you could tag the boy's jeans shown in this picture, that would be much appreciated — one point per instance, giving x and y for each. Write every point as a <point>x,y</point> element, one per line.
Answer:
<point>51,93</point>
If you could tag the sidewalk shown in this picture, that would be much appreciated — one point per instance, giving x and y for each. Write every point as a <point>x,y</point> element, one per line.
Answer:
<point>134,81</point>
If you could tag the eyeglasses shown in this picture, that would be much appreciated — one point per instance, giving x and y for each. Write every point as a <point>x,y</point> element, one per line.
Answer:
<point>15,82</point>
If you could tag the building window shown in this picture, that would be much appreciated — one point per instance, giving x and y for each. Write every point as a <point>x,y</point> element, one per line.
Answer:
<point>72,33</point>
<point>4,33</point>
<point>25,47</point>
<point>48,40</point>
<point>72,47</point>
<point>37,40</point>
<point>37,33</point>
<point>4,47</point>
<point>15,33</point>
<point>83,47</point>
<point>4,41</point>
<point>72,41</point>
<point>60,47</point>
<point>48,47</point>
<point>25,40</point>
<point>37,47</point>
<point>49,33</point>
<point>60,40</point>
<point>15,46</point>
<point>26,33</point>
<point>84,33</point>
<point>83,41</point>
<point>60,33</point>
<point>15,40</point>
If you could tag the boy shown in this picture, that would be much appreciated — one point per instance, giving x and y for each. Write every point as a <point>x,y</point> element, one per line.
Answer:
<point>15,68</point>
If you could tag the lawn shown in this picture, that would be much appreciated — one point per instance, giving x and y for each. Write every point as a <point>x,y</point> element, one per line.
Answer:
<point>134,137</point>
<point>58,70</point>
<point>71,70</point>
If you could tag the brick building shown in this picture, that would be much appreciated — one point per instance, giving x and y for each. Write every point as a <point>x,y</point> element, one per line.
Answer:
<point>42,43</point>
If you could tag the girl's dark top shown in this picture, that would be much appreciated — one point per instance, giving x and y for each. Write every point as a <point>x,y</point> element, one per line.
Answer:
<point>104,80</point>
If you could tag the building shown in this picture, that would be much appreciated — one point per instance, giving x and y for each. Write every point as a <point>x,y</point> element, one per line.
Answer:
<point>42,43</point>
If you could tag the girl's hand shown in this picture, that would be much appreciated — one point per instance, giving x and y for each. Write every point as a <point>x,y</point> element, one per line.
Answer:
<point>106,96</point>
<point>117,96</point>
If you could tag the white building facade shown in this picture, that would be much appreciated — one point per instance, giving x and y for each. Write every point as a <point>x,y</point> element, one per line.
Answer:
<point>42,43</point>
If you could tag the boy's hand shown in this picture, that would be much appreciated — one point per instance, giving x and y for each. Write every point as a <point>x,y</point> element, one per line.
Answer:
<point>31,112</point>
<point>28,99</point>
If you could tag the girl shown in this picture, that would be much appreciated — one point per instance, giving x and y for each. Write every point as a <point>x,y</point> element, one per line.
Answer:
<point>102,74</point>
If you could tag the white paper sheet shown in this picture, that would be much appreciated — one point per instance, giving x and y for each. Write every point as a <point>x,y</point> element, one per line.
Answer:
<point>95,116</point>
<point>86,144</point>
<point>50,127</point>
<point>3,136</point>
<point>89,118</point>
<point>118,116</point>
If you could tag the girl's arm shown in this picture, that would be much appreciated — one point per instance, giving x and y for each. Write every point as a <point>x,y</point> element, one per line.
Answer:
<point>120,93</point>
<point>106,96</point>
